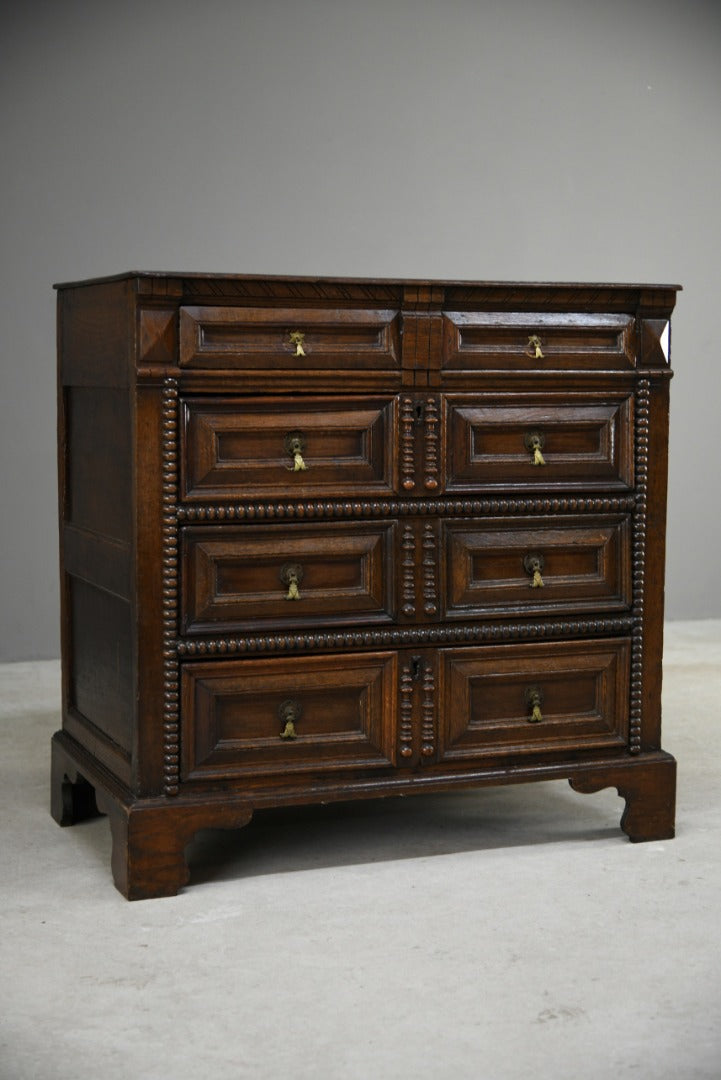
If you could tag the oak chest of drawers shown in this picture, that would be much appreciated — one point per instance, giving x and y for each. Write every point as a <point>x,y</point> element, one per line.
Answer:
<point>337,539</point>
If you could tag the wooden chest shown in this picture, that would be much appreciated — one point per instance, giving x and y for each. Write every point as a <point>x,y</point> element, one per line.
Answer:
<point>338,539</point>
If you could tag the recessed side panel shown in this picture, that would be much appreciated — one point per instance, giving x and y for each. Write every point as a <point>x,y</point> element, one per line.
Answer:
<point>97,481</point>
<point>100,680</point>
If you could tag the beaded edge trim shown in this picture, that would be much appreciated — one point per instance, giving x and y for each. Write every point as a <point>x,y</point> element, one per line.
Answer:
<point>643,396</point>
<point>171,689</point>
<point>173,515</point>
<point>309,511</point>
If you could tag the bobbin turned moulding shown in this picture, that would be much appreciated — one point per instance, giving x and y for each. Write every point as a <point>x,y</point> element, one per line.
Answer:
<point>336,539</point>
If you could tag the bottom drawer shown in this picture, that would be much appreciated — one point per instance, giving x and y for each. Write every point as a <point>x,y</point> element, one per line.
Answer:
<point>287,715</point>
<point>526,698</point>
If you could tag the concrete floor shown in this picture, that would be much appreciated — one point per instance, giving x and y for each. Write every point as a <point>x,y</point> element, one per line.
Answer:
<point>502,934</point>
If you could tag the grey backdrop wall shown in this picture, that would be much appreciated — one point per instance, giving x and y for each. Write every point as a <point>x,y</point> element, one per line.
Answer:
<point>518,139</point>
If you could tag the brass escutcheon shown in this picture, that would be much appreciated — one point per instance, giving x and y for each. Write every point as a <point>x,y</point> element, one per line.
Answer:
<point>534,343</point>
<point>533,565</point>
<point>291,574</point>
<point>534,441</point>
<point>534,700</point>
<point>297,337</point>
<point>295,445</point>
<point>289,713</point>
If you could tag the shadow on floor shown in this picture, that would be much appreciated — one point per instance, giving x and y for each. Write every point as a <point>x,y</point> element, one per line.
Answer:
<point>346,834</point>
<point>294,839</point>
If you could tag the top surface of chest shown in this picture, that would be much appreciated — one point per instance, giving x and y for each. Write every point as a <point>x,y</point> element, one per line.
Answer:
<point>326,334</point>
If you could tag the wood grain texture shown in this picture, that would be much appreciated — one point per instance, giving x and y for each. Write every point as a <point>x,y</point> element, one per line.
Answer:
<point>297,520</point>
<point>262,337</point>
<point>585,443</point>
<point>583,698</point>
<point>238,448</point>
<point>344,718</point>
<point>649,791</point>
<point>95,338</point>
<point>585,566</point>
<point>233,577</point>
<point>487,340</point>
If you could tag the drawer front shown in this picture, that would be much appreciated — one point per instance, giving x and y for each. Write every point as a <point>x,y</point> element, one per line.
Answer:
<point>528,566</point>
<point>536,341</point>
<point>239,578</point>
<point>289,339</point>
<point>288,715</point>
<point>286,448</point>
<point>538,442</point>
<point>517,699</point>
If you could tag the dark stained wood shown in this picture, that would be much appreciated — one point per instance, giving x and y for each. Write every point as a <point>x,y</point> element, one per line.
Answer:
<point>99,560</point>
<point>101,673</point>
<point>152,589</point>
<point>585,443</point>
<point>655,343</point>
<point>291,576</point>
<point>652,568</point>
<point>422,334</point>
<point>239,448</point>
<point>585,566</point>
<point>491,295</point>
<point>480,340</point>
<point>264,338</point>
<point>239,578</point>
<point>97,487</point>
<point>95,336</point>
<point>342,707</point>
<point>649,790</point>
<point>487,703</point>
<point>72,797</point>
<point>148,857</point>
<point>158,335</point>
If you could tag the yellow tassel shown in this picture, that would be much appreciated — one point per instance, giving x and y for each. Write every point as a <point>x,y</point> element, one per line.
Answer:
<point>537,582</point>
<point>296,338</point>
<point>288,731</point>
<point>535,343</point>
<point>538,458</point>
<point>299,464</point>
<point>536,715</point>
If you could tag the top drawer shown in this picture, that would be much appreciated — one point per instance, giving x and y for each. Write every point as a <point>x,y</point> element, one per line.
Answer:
<point>289,339</point>
<point>536,341</point>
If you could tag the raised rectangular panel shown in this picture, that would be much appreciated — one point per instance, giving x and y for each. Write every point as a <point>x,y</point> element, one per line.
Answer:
<point>584,566</point>
<point>235,714</point>
<point>487,698</point>
<point>498,340</point>
<point>270,338</point>
<point>586,442</point>
<point>241,447</point>
<point>239,577</point>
